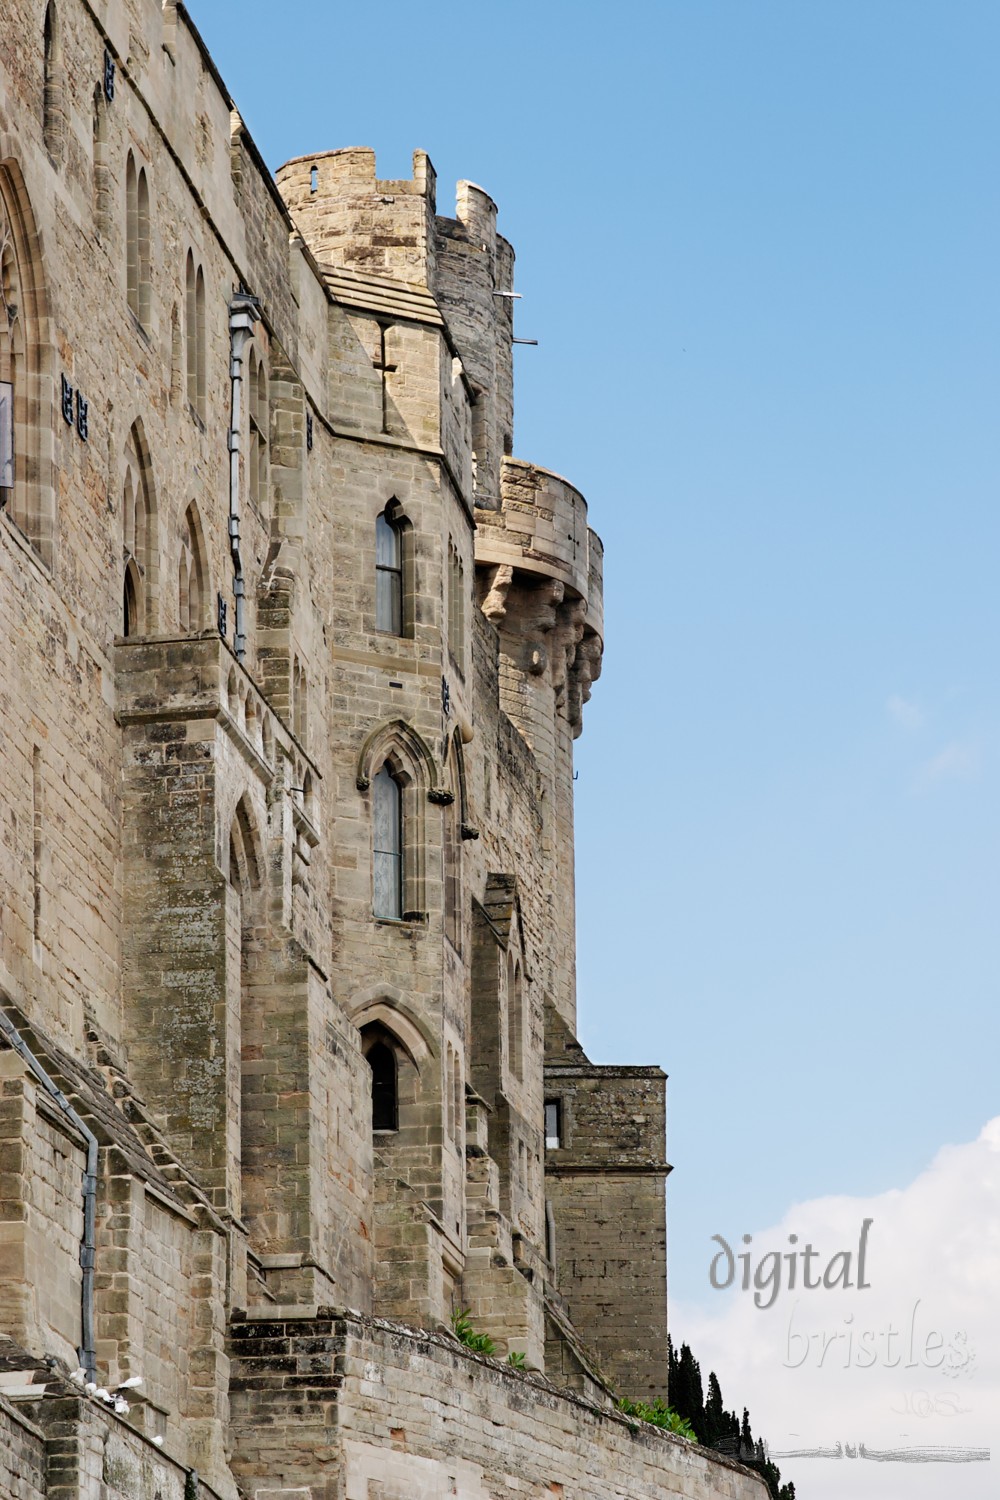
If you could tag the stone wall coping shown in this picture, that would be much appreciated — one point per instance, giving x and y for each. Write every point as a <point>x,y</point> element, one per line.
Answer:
<point>370,1328</point>
<point>529,465</point>
<point>600,1070</point>
<point>10,1410</point>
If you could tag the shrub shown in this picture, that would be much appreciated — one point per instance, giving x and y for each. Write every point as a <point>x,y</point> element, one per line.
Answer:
<point>658,1414</point>
<point>479,1343</point>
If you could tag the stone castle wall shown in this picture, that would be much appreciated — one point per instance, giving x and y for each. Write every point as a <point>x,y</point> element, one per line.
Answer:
<point>203,700</point>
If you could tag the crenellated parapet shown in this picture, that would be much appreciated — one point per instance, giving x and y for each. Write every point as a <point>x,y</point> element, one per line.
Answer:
<point>541,584</point>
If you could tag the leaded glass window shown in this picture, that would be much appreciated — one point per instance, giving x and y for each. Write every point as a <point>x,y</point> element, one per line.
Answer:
<point>388,576</point>
<point>387,844</point>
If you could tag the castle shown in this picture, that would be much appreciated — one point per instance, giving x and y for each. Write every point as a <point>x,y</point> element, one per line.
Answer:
<point>296,652</point>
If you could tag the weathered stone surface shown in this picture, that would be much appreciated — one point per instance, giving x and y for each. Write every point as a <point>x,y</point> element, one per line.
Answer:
<point>305,1095</point>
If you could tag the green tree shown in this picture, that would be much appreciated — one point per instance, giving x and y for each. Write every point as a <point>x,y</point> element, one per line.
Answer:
<point>714,1425</point>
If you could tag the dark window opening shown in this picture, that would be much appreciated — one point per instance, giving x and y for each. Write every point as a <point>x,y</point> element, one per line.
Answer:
<point>553,1124</point>
<point>385,1100</point>
<point>130,606</point>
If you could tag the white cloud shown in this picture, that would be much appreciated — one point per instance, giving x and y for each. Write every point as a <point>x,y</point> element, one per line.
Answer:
<point>911,1362</point>
<point>904,713</point>
<point>958,761</point>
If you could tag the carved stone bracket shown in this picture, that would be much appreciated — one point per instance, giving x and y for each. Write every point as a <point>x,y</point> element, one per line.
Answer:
<point>495,603</point>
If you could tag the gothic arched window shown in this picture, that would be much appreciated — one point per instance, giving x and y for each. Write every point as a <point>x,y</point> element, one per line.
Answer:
<point>257,459</point>
<point>456,607</point>
<point>515,1017</point>
<point>192,583</point>
<point>387,844</point>
<point>195,334</point>
<point>385,1087</point>
<point>389,570</point>
<point>12,375</point>
<point>26,489</point>
<point>137,257</point>
<point>138,539</point>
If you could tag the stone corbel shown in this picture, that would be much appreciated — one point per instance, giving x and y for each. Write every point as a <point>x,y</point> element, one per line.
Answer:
<point>585,669</point>
<point>495,604</point>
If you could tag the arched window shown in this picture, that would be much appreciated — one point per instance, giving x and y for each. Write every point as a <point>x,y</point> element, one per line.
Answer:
<point>131,595</point>
<point>137,240</point>
<point>25,372</point>
<point>194,319</point>
<point>192,585</point>
<point>456,607</point>
<point>190,332</point>
<point>52,103</point>
<point>258,459</point>
<point>12,375</point>
<point>244,855</point>
<point>201,350</point>
<point>389,570</point>
<point>387,844</point>
<point>385,1086</point>
<point>132,234</point>
<point>138,539</point>
<point>515,1018</point>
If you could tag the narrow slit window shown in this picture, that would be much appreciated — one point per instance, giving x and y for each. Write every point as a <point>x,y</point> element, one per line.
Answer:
<point>385,1092</point>
<point>143,250</point>
<point>201,349</point>
<point>387,844</point>
<point>132,234</point>
<point>515,1018</point>
<point>388,575</point>
<point>456,606</point>
<point>258,413</point>
<point>191,330</point>
<point>553,1125</point>
<point>6,439</point>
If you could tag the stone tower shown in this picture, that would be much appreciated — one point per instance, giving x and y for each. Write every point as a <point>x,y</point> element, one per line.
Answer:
<point>288,1066</point>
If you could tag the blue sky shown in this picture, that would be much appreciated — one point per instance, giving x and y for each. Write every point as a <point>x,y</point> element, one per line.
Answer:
<point>758,243</point>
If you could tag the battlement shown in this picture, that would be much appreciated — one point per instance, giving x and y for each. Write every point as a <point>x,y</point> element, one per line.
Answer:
<point>541,528</point>
<point>352,219</point>
<point>353,168</point>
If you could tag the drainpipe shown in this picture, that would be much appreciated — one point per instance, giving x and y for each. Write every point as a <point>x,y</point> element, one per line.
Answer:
<point>244,314</point>
<point>87,1351</point>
